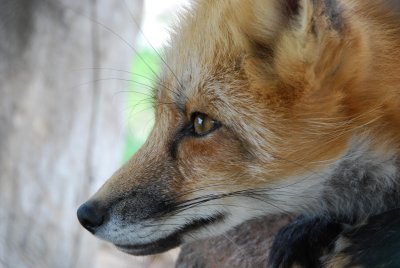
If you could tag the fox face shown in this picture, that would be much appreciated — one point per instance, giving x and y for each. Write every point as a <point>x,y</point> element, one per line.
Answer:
<point>258,106</point>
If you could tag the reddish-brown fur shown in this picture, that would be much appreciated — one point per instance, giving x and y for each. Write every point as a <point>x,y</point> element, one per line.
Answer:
<point>290,90</point>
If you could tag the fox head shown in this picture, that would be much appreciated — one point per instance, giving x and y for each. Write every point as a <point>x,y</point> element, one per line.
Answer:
<point>257,101</point>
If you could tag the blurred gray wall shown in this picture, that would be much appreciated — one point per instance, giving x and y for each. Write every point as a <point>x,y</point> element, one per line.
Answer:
<point>60,127</point>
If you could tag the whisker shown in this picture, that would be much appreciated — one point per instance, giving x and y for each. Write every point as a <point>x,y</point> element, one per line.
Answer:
<point>158,54</point>
<point>115,34</point>
<point>242,250</point>
<point>257,194</point>
<point>116,70</point>
<point>128,81</point>
<point>150,79</point>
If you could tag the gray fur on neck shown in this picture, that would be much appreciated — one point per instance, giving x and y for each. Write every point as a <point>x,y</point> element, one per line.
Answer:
<point>363,183</point>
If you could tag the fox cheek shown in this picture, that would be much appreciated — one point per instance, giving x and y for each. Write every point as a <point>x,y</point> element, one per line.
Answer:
<point>218,157</point>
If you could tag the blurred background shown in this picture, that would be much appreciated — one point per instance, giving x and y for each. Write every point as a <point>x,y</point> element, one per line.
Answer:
<point>75,82</point>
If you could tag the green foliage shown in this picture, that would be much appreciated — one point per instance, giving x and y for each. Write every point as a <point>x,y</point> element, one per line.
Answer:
<point>139,112</point>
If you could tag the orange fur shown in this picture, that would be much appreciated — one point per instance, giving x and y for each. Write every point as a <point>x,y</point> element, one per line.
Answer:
<point>291,92</point>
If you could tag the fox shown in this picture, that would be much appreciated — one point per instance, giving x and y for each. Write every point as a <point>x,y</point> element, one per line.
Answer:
<point>265,107</point>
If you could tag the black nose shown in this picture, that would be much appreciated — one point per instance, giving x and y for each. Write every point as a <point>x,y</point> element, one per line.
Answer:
<point>91,216</point>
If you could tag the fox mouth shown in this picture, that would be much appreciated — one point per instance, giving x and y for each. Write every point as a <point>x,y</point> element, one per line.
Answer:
<point>171,241</point>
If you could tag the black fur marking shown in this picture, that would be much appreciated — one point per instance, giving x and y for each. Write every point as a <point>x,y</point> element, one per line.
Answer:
<point>333,13</point>
<point>183,132</point>
<point>292,7</point>
<point>262,50</point>
<point>331,10</point>
<point>303,242</point>
<point>376,243</point>
<point>146,205</point>
<point>145,202</point>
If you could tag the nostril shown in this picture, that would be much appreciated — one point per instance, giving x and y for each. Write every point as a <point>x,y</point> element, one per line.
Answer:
<point>90,217</point>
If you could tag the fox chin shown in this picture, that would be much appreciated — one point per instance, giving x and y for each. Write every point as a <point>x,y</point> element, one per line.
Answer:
<point>263,107</point>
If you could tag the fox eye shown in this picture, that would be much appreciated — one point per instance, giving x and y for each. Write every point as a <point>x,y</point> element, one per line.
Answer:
<point>203,124</point>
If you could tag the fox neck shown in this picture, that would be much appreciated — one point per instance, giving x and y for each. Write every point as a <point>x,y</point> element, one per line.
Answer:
<point>365,179</point>
<point>362,182</point>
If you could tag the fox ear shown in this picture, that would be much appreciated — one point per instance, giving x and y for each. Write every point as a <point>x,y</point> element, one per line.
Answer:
<point>269,29</point>
<point>301,19</point>
<point>290,36</point>
<point>270,19</point>
<point>298,12</point>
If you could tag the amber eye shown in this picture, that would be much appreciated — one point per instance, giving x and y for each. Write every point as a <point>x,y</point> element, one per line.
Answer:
<point>203,124</point>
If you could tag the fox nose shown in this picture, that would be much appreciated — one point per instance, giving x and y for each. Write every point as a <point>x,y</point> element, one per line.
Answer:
<point>91,216</point>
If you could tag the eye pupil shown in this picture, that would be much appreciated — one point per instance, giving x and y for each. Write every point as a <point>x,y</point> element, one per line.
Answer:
<point>203,124</point>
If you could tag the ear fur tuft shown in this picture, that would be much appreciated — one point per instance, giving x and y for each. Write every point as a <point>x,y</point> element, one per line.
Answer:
<point>292,7</point>
<point>301,45</point>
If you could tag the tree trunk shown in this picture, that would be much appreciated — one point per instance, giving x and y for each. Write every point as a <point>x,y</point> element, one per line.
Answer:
<point>60,127</point>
